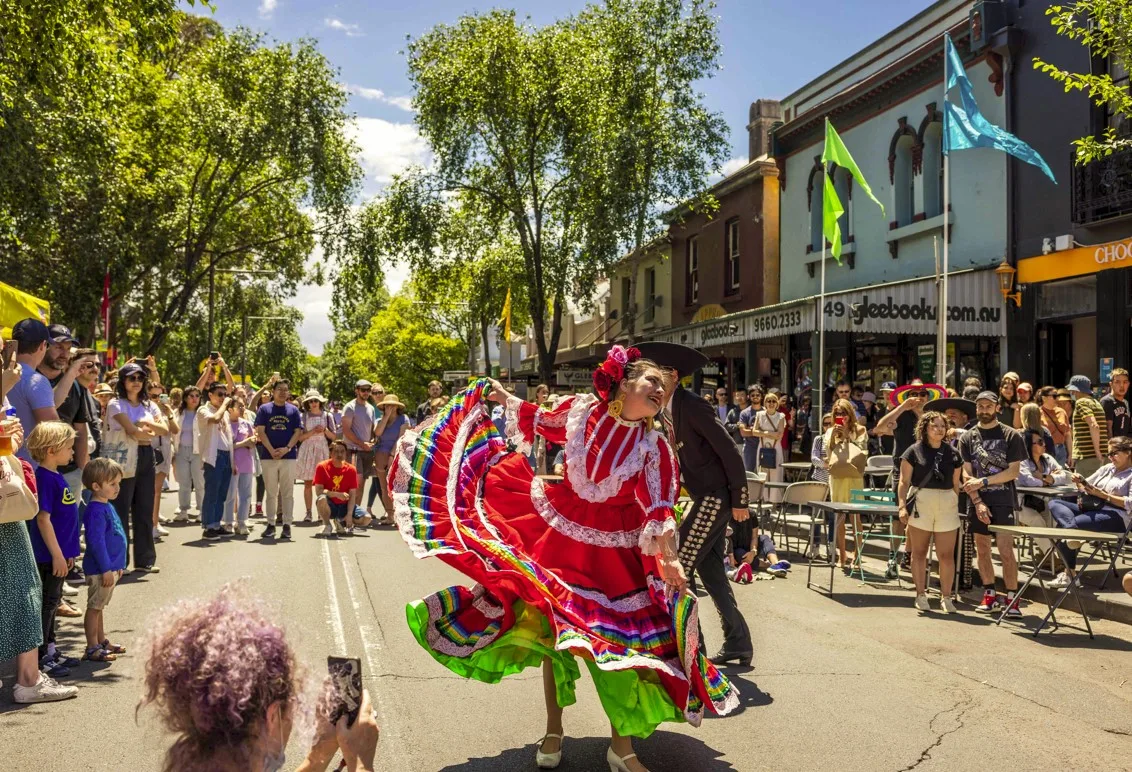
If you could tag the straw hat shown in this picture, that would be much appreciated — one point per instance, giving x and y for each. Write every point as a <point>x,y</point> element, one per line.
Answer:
<point>103,388</point>
<point>313,396</point>
<point>390,400</point>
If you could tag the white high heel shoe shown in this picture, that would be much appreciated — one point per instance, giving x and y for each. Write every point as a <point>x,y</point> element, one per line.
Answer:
<point>617,763</point>
<point>549,760</point>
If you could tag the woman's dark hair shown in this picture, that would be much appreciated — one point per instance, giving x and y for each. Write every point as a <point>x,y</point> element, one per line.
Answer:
<point>1121,443</point>
<point>1029,436</point>
<point>926,421</point>
<point>191,391</point>
<point>143,395</point>
<point>1047,391</point>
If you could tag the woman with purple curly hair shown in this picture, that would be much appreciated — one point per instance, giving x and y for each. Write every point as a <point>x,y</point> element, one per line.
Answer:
<point>225,681</point>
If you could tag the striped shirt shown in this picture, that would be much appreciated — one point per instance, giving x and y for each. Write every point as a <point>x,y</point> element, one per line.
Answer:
<point>1082,436</point>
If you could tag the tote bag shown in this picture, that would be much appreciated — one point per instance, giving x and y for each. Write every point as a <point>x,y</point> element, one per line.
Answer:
<point>117,446</point>
<point>17,502</point>
<point>768,454</point>
<point>846,460</point>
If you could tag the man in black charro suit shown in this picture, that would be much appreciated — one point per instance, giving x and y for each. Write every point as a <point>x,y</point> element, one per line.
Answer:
<point>712,471</point>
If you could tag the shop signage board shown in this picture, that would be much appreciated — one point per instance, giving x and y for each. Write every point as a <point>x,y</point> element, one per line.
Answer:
<point>911,307</point>
<point>1106,370</point>
<point>769,322</point>
<point>574,378</point>
<point>925,362</point>
<point>1075,262</point>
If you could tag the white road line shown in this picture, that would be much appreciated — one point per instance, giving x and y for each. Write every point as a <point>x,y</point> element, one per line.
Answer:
<point>331,588</point>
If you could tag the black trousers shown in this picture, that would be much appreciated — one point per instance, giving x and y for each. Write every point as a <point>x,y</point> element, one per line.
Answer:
<point>52,594</point>
<point>702,536</point>
<point>135,500</point>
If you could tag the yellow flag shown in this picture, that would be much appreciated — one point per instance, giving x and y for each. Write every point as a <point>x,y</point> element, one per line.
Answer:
<point>505,318</point>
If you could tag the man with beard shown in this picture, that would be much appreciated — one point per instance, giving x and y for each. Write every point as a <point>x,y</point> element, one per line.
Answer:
<point>712,471</point>
<point>992,454</point>
<point>65,376</point>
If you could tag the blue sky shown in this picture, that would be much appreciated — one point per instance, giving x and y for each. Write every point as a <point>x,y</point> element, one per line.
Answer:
<point>770,48</point>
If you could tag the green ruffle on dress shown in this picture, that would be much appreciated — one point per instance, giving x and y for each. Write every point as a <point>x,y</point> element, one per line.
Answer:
<point>21,594</point>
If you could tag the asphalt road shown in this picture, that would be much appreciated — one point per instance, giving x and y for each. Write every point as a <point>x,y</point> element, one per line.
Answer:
<point>857,682</point>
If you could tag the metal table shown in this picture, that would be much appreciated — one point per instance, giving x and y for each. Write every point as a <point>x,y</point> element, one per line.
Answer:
<point>1057,535</point>
<point>797,470</point>
<point>840,510</point>
<point>1048,493</point>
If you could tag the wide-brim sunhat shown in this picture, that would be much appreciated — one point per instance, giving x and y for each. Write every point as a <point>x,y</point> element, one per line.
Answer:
<point>390,400</point>
<point>952,403</point>
<point>934,390</point>
<point>313,396</point>
<point>103,388</point>
<point>683,359</point>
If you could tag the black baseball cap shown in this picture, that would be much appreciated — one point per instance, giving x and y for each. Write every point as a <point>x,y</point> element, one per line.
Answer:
<point>61,334</point>
<point>988,396</point>
<point>30,330</point>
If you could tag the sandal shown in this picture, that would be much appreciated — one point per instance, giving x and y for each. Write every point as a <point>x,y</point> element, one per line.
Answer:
<point>98,654</point>
<point>113,648</point>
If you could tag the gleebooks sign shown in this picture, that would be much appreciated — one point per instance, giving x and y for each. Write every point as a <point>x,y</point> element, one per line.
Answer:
<point>912,308</point>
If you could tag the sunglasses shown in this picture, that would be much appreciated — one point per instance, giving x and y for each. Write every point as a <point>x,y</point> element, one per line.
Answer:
<point>917,394</point>
<point>1113,453</point>
<point>135,377</point>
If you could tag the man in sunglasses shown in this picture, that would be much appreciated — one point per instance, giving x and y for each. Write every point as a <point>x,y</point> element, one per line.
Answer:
<point>359,418</point>
<point>62,371</point>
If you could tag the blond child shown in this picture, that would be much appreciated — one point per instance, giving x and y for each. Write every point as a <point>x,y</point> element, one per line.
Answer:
<point>106,551</point>
<point>54,532</point>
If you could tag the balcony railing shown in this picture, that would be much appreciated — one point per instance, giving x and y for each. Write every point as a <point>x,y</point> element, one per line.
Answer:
<point>1102,189</point>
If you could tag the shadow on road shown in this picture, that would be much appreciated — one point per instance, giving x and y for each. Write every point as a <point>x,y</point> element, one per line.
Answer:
<point>662,752</point>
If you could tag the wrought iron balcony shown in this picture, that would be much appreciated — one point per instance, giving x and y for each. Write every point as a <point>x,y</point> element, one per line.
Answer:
<point>1102,189</point>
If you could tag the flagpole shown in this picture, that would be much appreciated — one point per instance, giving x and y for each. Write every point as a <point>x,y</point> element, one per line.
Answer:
<point>941,352</point>
<point>821,326</point>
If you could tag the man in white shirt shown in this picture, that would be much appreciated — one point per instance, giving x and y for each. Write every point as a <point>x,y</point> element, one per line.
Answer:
<point>214,444</point>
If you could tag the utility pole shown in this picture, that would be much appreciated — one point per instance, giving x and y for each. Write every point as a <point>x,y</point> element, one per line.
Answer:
<point>212,271</point>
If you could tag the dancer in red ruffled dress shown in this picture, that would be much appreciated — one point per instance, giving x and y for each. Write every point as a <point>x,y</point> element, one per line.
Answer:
<point>582,569</point>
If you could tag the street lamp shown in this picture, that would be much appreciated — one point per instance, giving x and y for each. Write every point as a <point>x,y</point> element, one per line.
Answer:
<point>212,271</point>
<point>244,344</point>
<point>1005,273</point>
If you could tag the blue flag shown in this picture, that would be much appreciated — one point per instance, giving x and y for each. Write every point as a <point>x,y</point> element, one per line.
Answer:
<point>964,127</point>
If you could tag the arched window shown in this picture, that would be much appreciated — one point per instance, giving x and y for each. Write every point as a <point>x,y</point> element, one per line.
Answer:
<point>842,183</point>
<point>904,180</point>
<point>933,168</point>
<point>817,186</point>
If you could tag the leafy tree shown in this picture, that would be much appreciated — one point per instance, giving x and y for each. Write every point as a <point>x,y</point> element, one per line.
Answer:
<point>336,377</point>
<point>404,349</point>
<point>1104,27</point>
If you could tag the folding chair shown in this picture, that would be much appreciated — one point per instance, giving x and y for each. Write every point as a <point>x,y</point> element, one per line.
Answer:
<point>798,495</point>
<point>879,466</point>
<point>875,496</point>
<point>1115,553</point>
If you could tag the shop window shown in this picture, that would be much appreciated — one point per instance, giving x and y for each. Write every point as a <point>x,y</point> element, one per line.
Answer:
<point>904,180</point>
<point>1064,299</point>
<point>1114,120</point>
<point>626,302</point>
<point>732,257</point>
<point>650,295</point>
<point>692,283</point>
<point>933,169</point>
<point>817,183</point>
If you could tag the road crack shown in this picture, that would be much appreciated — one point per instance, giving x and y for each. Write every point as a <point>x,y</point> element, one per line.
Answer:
<point>962,706</point>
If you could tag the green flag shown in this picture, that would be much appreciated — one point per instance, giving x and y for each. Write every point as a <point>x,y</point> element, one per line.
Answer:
<point>832,209</point>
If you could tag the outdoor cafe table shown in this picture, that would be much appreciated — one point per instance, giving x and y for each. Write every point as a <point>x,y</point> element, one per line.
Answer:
<point>840,510</point>
<point>1057,535</point>
<point>795,471</point>
<point>1051,492</point>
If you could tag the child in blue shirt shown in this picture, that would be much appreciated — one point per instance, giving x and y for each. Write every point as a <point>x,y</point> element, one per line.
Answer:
<point>105,558</point>
<point>54,532</point>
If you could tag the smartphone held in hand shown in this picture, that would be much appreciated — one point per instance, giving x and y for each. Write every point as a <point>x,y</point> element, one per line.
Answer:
<point>346,674</point>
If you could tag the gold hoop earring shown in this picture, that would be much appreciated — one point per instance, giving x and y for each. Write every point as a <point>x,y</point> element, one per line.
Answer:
<point>615,407</point>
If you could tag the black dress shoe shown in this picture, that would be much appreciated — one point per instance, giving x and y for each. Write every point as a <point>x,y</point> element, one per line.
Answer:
<point>726,655</point>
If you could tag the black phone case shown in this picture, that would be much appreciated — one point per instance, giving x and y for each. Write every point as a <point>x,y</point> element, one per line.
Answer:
<point>346,673</point>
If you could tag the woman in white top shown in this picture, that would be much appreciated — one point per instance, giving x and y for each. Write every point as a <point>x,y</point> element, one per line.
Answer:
<point>1039,470</point>
<point>132,412</point>
<point>162,447</point>
<point>188,467</point>
<point>769,426</point>
<point>820,473</point>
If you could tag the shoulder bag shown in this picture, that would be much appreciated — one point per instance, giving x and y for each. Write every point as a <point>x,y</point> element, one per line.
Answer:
<point>17,502</point>
<point>120,447</point>
<point>846,459</point>
<point>768,456</point>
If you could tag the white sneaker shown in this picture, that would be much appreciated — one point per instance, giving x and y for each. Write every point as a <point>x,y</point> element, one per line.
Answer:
<point>1061,581</point>
<point>921,603</point>
<point>181,517</point>
<point>948,606</point>
<point>70,591</point>
<point>159,530</point>
<point>241,530</point>
<point>45,690</point>
<point>157,534</point>
<point>328,530</point>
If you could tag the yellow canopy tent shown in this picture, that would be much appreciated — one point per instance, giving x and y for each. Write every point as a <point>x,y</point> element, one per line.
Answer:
<point>16,305</point>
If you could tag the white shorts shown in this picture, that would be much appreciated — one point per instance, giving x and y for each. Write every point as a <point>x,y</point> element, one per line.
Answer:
<point>937,511</point>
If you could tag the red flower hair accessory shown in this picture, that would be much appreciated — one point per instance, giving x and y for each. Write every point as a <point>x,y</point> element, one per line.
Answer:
<point>610,372</point>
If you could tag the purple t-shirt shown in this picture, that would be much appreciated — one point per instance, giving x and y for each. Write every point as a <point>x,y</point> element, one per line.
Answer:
<point>242,457</point>
<point>279,423</point>
<point>63,505</point>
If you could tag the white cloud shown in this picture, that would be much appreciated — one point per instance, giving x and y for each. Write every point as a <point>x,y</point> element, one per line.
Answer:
<point>314,302</point>
<point>351,30</point>
<point>387,148</point>
<point>733,165</point>
<point>377,95</point>
<point>267,8</point>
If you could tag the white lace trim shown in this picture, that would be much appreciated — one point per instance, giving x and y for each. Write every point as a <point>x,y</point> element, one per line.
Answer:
<point>444,645</point>
<point>572,530</point>
<point>511,428</point>
<point>577,449</point>
<point>453,470</point>
<point>483,605</point>
<point>649,541</point>
<point>555,420</point>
